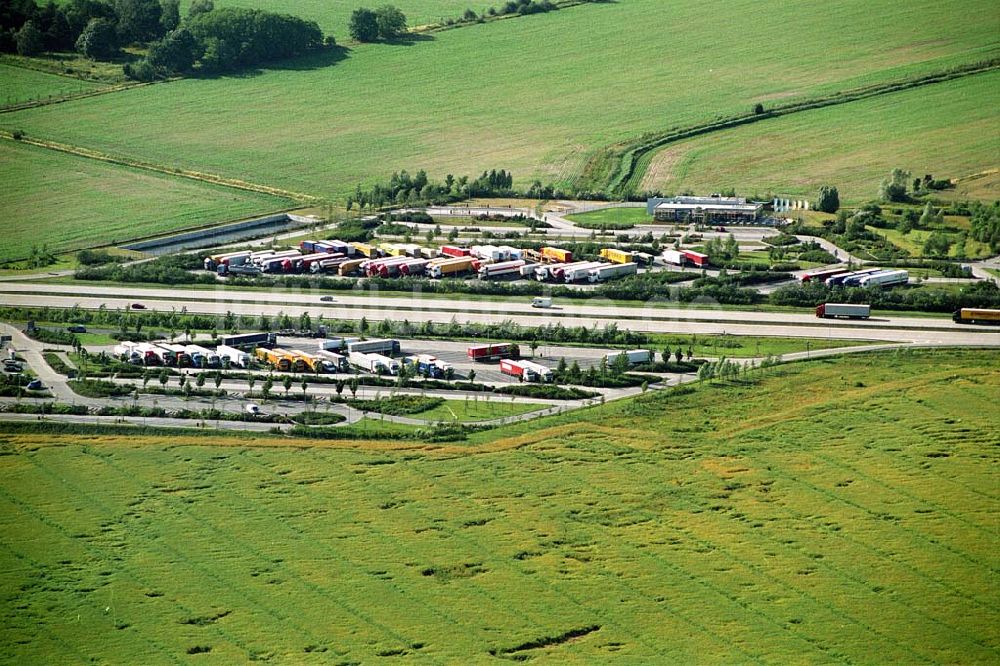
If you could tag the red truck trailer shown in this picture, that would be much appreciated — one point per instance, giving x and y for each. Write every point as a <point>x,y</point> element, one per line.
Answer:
<point>492,352</point>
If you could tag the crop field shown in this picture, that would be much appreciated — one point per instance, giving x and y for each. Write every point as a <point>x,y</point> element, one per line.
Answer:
<point>837,511</point>
<point>852,146</point>
<point>542,104</point>
<point>333,15</point>
<point>23,85</point>
<point>67,202</point>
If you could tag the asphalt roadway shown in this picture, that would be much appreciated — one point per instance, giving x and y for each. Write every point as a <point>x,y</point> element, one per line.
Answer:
<point>665,318</point>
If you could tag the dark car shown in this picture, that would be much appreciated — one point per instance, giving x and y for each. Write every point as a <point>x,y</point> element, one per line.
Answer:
<point>35,385</point>
<point>76,328</point>
<point>138,306</point>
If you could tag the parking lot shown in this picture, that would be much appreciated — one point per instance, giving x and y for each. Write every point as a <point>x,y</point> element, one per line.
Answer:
<point>454,353</point>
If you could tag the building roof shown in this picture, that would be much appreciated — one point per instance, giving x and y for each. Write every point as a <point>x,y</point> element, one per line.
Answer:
<point>722,206</point>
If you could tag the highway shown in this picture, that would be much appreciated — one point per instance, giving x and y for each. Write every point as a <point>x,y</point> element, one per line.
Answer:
<point>420,308</point>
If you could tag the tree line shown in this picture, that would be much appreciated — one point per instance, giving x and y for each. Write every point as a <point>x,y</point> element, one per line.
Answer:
<point>216,40</point>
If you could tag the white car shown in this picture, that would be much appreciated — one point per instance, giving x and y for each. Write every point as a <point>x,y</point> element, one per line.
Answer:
<point>253,409</point>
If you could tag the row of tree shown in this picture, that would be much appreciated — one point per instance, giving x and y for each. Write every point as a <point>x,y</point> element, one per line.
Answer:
<point>403,188</point>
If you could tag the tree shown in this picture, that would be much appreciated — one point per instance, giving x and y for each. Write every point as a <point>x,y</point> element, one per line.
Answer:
<point>286,383</point>
<point>218,380</point>
<point>893,188</point>
<point>363,326</point>
<point>176,52</point>
<point>391,22</point>
<point>758,108</point>
<point>29,39</point>
<point>138,20</point>
<point>453,234</point>
<point>199,381</point>
<point>164,377</point>
<point>170,14</point>
<point>251,380</point>
<point>829,199</point>
<point>265,389</point>
<point>339,387</point>
<point>533,345</point>
<point>354,387</point>
<point>200,7</point>
<point>363,25</point>
<point>679,354</point>
<point>620,364</point>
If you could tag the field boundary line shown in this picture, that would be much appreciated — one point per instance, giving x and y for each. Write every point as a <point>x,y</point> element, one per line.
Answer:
<point>212,179</point>
<point>108,88</point>
<point>634,161</point>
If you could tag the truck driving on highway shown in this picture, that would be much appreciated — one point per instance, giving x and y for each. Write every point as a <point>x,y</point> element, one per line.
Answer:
<point>843,311</point>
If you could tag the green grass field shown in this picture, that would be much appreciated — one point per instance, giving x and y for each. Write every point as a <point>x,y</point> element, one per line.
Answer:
<point>543,102</point>
<point>947,129</point>
<point>841,511</point>
<point>23,85</point>
<point>68,202</point>
<point>610,217</point>
<point>913,243</point>
<point>476,410</point>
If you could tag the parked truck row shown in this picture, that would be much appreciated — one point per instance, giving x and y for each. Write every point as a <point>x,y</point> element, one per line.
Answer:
<point>392,260</point>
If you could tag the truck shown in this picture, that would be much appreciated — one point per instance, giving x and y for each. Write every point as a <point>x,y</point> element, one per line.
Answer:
<point>695,258</point>
<point>208,358</point>
<point>541,302</point>
<point>128,352</point>
<point>612,272</point>
<point>328,265</point>
<point>843,310</point>
<point>426,365</point>
<point>492,352</point>
<point>247,340</point>
<point>365,250</point>
<point>348,267</point>
<point>583,272</point>
<point>384,267</point>
<point>165,355</point>
<point>223,270</point>
<point>542,372</point>
<point>274,357</point>
<point>634,356</point>
<point>333,344</point>
<point>502,268</point>
<point>517,369</point>
<point>487,252</point>
<point>450,267</point>
<point>455,251</point>
<point>544,271</point>
<point>273,256</point>
<point>616,256</point>
<point>311,362</point>
<point>976,316</point>
<point>675,257</point>
<point>843,278</point>
<point>232,356</point>
<point>559,273</point>
<point>305,262</point>
<point>413,267</point>
<point>556,255</point>
<point>338,362</point>
<point>182,358</point>
<point>821,276</point>
<point>374,363</point>
<point>885,279</point>
<point>528,270</point>
<point>149,354</point>
<point>389,347</point>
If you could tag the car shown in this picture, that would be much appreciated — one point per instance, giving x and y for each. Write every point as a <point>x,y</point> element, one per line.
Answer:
<point>252,409</point>
<point>35,385</point>
<point>138,306</point>
<point>327,299</point>
<point>12,366</point>
<point>77,328</point>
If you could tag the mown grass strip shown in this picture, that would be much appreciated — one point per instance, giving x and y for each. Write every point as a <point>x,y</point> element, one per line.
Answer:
<point>635,160</point>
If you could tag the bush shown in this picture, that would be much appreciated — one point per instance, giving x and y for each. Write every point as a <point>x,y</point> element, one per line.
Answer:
<point>397,405</point>
<point>96,388</point>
